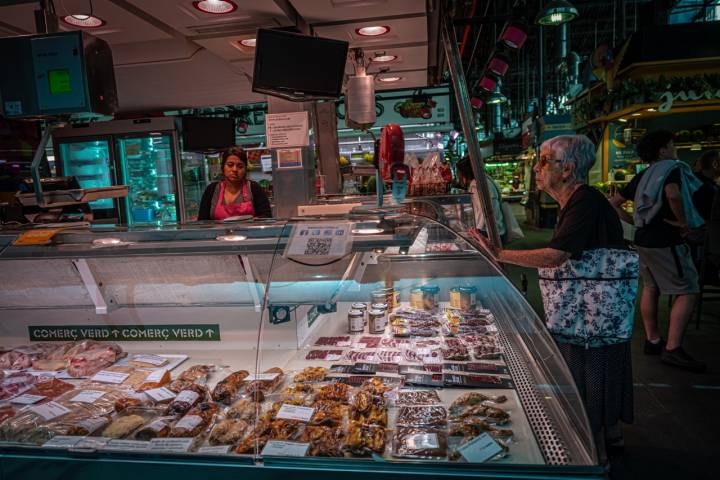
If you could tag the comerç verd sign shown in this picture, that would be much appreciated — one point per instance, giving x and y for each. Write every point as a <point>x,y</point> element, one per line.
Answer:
<point>667,98</point>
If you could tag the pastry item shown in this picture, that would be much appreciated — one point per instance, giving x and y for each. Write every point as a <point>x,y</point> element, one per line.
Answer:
<point>123,426</point>
<point>228,432</point>
<point>376,386</point>
<point>186,399</point>
<point>194,374</point>
<point>132,399</point>
<point>334,391</point>
<point>89,426</point>
<point>435,415</point>
<point>324,441</point>
<point>414,442</point>
<point>244,409</point>
<point>364,439</point>
<point>368,408</point>
<point>155,379</point>
<point>196,420</point>
<point>158,428</point>
<point>311,374</point>
<point>418,397</point>
<point>227,389</point>
<point>257,389</point>
<point>470,428</point>
<point>328,413</point>
<point>50,388</point>
<point>494,415</point>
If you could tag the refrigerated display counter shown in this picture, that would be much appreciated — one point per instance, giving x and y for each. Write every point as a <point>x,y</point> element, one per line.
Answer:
<point>357,345</point>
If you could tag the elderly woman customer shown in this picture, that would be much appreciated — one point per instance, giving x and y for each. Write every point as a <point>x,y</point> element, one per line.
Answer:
<point>589,283</point>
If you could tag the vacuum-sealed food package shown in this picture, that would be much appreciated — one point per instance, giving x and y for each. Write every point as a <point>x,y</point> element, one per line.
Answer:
<point>420,442</point>
<point>435,415</point>
<point>227,389</point>
<point>244,409</point>
<point>324,441</point>
<point>229,431</point>
<point>195,421</point>
<point>195,374</point>
<point>418,397</point>
<point>264,383</point>
<point>187,399</point>
<point>364,439</point>
<point>156,428</point>
<point>95,358</point>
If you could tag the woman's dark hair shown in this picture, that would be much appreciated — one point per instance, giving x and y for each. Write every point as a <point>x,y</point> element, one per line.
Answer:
<point>464,168</point>
<point>233,151</point>
<point>706,159</point>
<point>649,146</point>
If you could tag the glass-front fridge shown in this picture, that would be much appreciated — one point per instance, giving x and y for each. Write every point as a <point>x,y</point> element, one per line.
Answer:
<point>90,161</point>
<point>140,153</point>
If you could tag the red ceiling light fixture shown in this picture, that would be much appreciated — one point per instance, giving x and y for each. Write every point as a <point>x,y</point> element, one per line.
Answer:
<point>487,82</point>
<point>514,35</point>
<point>372,31</point>
<point>216,7</point>
<point>499,64</point>
<point>83,21</point>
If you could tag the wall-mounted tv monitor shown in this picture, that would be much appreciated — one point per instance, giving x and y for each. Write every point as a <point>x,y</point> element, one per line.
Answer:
<point>207,133</point>
<point>298,67</point>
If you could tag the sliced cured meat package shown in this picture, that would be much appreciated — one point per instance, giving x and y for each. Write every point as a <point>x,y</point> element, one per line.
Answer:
<point>95,358</point>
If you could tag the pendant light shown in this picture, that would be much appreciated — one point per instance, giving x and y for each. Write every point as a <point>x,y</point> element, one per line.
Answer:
<point>557,12</point>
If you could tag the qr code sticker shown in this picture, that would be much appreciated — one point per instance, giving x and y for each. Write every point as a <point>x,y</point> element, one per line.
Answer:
<point>318,246</point>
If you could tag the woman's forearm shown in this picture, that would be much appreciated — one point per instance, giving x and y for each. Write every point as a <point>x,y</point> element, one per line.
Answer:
<point>537,258</point>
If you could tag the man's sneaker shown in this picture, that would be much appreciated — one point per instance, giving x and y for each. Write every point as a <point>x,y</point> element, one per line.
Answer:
<point>679,358</point>
<point>654,348</point>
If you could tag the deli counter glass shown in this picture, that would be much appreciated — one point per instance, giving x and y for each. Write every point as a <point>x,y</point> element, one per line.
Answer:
<point>355,345</point>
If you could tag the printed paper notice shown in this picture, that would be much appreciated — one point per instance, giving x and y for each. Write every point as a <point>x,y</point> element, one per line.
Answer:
<point>295,412</point>
<point>171,444</point>
<point>287,129</point>
<point>285,449</point>
<point>160,394</point>
<point>62,441</point>
<point>289,158</point>
<point>127,445</point>
<point>216,450</point>
<point>261,376</point>
<point>50,410</point>
<point>88,396</point>
<point>27,399</point>
<point>104,376</point>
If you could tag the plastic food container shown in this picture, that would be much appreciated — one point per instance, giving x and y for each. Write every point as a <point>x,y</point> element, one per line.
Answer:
<point>363,308</point>
<point>356,321</point>
<point>425,298</point>
<point>386,295</point>
<point>463,298</point>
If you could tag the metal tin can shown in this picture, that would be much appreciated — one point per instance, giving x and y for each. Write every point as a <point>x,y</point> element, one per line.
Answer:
<point>386,295</point>
<point>463,298</point>
<point>379,306</point>
<point>377,320</point>
<point>363,308</point>
<point>356,321</point>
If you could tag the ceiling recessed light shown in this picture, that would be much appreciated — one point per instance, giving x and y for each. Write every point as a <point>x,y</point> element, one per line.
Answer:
<point>384,58</point>
<point>216,7</point>
<point>372,31</point>
<point>389,79</point>
<point>83,21</point>
<point>249,42</point>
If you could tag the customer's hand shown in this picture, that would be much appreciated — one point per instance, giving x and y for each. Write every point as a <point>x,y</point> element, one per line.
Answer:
<point>484,242</point>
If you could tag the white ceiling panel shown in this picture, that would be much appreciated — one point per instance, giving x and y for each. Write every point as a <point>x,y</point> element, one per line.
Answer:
<point>318,11</point>
<point>183,17</point>
<point>402,31</point>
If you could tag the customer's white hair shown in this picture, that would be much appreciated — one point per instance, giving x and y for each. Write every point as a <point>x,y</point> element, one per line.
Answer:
<point>578,150</point>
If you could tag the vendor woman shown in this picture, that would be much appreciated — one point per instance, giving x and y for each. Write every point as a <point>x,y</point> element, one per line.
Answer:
<point>235,194</point>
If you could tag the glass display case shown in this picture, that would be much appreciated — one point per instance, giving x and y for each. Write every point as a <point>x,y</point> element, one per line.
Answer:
<point>355,345</point>
<point>90,161</point>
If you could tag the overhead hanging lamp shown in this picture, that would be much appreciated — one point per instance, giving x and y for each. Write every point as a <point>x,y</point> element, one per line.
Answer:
<point>488,82</point>
<point>499,64</point>
<point>496,97</point>
<point>513,35</point>
<point>557,12</point>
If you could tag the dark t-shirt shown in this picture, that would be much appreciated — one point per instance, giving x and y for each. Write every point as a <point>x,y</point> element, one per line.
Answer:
<point>587,222</point>
<point>658,233</point>
<point>703,197</point>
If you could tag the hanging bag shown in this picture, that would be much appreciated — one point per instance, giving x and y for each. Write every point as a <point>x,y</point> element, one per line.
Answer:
<point>591,301</point>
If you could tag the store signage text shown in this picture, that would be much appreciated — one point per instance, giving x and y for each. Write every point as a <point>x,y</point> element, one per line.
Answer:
<point>126,333</point>
<point>667,98</point>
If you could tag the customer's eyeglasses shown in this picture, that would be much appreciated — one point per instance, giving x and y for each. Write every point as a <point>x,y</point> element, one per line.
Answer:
<point>547,160</point>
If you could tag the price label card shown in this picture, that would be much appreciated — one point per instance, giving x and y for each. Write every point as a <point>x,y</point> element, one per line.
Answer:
<point>88,396</point>
<point>62,441</point>
<point>422,441</point>
<point>127,445</point>
<point>160,394</point>
<point>187,396</point>
<point>261,376</point>
<point>104,376</point>
<point>491,328</point>
<point>50,410</point>
<point>295,412</point>
<point>156,375</point>
<point>480,449</point>
<point>171,444</point>
<point>344,343</point>
<point>27,399</point>
<point>216,450</point>
<point>156,360</point>
<point>285,449</point>
<point>333,357</point>
<point>92,443</point>
<point>188,422</point>
<point>431,360</point>
<point>361,345</point>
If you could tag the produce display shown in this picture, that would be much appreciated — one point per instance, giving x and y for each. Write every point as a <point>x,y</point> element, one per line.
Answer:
<point>411,391</point>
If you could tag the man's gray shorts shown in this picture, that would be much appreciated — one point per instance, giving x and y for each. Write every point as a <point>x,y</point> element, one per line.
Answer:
<point>669,270</point>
